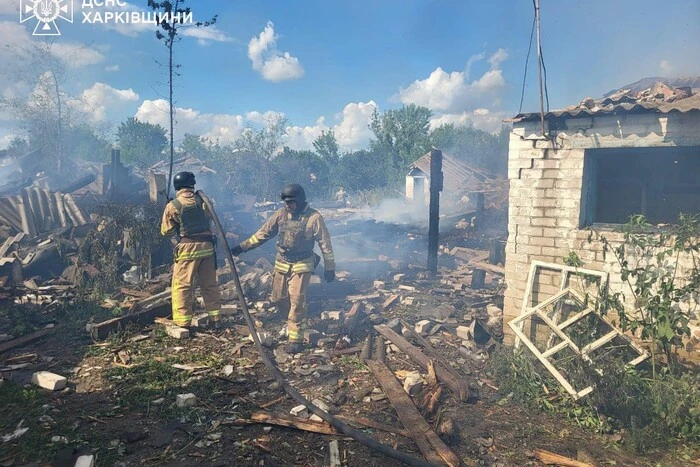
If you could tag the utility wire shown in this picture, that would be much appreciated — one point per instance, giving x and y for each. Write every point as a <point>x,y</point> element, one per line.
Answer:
<point>527,59</point>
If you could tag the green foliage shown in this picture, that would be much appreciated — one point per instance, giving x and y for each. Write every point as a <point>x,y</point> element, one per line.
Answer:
<point>326,147</point>
<point>103,246</point>
<point>475,147</point>
<point>649,266</point>
<point>654,412</point>
<point>573,260</point>
<point>362,170</point>
<point>401,135</point>
<point>141,143</point>
<point>84,143</point>
<point>17,147</point>
<point>306,168</point>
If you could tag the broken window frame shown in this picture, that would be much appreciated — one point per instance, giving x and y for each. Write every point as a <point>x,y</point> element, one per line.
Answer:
<point>557,329</point>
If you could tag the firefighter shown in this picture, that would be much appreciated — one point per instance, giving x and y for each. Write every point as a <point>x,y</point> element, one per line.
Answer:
<point>298,226</point>
<point>187,219</point>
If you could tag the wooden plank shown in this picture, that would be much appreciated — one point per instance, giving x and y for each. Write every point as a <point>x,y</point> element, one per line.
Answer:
<point>492,268</point>
<point>551,458</point>
<point>458,385</point>
<point>390,301</point>
<point>432,447</point>
<point>291,421</point>
<point>24,340</point>
<point>102,330</point>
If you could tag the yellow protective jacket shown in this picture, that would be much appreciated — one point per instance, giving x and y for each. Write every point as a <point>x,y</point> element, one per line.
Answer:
<point>297,235</point>
<point>170,225</point>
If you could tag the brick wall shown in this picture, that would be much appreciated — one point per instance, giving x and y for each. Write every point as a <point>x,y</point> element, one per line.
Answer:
<point>546,186</point>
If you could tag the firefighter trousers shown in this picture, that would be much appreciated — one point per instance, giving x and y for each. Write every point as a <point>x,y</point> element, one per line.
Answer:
<point>289,295</point>
<point>184,274</point>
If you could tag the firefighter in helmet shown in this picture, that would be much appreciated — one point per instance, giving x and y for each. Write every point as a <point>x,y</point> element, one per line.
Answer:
<point>299,227</point>
<point>187,218</point>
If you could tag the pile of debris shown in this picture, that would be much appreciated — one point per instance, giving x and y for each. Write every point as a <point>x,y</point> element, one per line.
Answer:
<point>657,94</point>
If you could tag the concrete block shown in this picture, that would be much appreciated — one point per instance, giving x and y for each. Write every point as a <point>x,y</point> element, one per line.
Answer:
<point>186,400</point>
<point>48,380</point>
<point>413,384</point>
<point>85,461</point>
<point>408,301</point>
<point>332,315</point>
<point>423,326</point>
<point>463,332</point>
<point>177,332</point>
<point>408,288</point>
<point>378,284</point>
<point>300,411</point>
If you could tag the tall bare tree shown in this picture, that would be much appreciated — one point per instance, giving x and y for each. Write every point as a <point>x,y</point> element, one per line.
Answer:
<point>174,14</point>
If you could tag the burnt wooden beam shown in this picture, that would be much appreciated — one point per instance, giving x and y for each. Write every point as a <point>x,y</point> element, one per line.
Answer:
<point>455,383</point>
<point>102,330</point>
<point>24,340</point>
<point>434,219</point>
<point>432,447</point>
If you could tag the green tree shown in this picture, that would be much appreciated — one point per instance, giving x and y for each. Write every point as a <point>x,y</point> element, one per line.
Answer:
<point>304,167</point>
<point>362,170</point>
<point>402,135</point>
<point>141,143</point>
<point>18,147</point>
<point>475,147</point>
<point>197,146</point>
<point>83,142</point>
<point>326,146</point>
<point>174,14</point>
<point>260,147</point>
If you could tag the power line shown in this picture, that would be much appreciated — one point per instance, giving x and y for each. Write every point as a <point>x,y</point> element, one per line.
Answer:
<point>527,59</point>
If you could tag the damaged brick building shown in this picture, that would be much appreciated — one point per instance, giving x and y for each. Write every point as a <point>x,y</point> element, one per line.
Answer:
<point>600,162</point>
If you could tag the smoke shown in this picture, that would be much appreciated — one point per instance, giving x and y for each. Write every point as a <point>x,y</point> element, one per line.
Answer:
<point>401,211</point>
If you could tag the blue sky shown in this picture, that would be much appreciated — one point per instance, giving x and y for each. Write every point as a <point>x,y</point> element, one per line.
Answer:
<point>329,64</point>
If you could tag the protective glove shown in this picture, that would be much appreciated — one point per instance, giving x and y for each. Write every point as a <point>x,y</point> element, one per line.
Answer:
<point>236,250</point>
<point>329,276</point>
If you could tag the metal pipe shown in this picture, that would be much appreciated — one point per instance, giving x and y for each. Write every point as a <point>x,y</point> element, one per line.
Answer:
<point>539,63</point>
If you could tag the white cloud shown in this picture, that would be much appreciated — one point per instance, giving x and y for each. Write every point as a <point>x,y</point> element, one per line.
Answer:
<point>101,99</point>
<point>8,7</point>
<point>452,92</point>
<point>206,35</point>
<point>76,55</point>
<point>17,41</point>
<point>352,131</point>
<point>480,118</point>
<point>272,64</point>
<point>112,68</point>
<point>453,98</point>
<point>225,128</point>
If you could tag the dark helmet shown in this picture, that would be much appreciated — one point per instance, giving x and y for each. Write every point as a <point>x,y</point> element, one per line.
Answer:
<point>183,180</point>
<point>293,192</point>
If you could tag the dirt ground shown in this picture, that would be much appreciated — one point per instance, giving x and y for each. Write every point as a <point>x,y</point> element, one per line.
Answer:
<point>120,400</point>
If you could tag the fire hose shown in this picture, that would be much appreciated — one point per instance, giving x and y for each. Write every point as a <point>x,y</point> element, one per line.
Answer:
<point>279,377</point>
